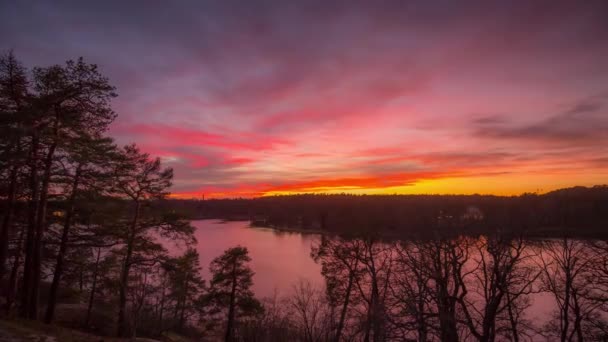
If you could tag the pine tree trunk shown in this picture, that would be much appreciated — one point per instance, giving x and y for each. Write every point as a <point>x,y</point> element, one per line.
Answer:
<point>26,292</point>
<point>50,309</point>
<point>231,307</point>
<point>7,221</point>
<point>15,95</point>
<point>12,282</point>
<point>183,308</point>
<point>40,229</point>
<point>161,311</point>
<point>124,277</point>
<point>87,319</point>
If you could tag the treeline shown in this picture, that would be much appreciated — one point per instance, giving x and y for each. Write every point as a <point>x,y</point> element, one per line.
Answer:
<point>83,238</point>
<point>575,211</point>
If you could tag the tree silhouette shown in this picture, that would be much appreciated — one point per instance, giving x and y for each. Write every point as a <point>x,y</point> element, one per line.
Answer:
<point>501,276</point>
<point>13,94</point>
<point>311,312</point>
<point>73,100</point>
<point>185,283</point>
<point>566,267</point>
<point>140,179</point>
<point>230,287</point>
<point>84,170</point>
<point>341,269</point>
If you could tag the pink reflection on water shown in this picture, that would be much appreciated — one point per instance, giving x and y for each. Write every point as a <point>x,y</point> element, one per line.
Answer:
<point>279,259</point>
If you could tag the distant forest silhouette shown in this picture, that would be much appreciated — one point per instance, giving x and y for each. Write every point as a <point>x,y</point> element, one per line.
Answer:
<point>574,212</point>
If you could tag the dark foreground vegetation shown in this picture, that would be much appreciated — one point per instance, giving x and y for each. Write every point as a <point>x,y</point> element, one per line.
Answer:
<point>83,237</point>
<point>85,229</point>
<point>575,212</point>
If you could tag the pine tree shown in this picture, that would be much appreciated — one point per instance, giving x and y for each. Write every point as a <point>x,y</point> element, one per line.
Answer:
<point>230,287</point>
<point>13,95</point>
<point>185,283</point>
<point>84,170</point>
<point>67,102</point>
<point>140,179</point>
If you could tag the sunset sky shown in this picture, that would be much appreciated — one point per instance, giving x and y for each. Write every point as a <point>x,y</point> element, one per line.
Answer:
<point>258,97</point>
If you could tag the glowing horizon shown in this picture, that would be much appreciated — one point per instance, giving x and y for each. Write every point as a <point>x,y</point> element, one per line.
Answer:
<point>407,97</point>
<point>445,186</point>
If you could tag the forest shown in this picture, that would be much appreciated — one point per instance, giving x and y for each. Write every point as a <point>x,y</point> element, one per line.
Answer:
<point>86,224</point>
<point>574,212</point>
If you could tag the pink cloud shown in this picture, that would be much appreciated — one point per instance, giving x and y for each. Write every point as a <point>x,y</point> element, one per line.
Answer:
<point>173,135</point>
<point>246,99</point>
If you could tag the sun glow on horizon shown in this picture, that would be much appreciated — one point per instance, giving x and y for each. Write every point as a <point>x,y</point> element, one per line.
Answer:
<point>509,185</point>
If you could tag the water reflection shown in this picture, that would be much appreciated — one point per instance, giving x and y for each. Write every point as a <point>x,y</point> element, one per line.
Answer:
<point>279,259</point>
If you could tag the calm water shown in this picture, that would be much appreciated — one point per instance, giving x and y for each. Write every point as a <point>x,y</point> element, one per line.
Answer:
<point>279,259</point>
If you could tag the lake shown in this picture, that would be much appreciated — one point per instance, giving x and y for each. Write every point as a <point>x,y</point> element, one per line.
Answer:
<point>279,259</point>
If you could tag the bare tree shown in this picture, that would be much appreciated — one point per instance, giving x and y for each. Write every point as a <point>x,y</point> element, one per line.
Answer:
<point>412,315</point>
<point>565,266</point>
<point>443,262</point>
<point>500,279</point>
<point>597,289</point>
<point>311,312</point>
<point>375,260</point>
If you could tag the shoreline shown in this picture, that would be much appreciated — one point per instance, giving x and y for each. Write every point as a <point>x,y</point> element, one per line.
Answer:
<point>541,234</point>
<point>291,230</point>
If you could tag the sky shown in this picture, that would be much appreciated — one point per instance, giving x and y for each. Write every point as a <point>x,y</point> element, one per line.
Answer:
<point>253,98</point>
